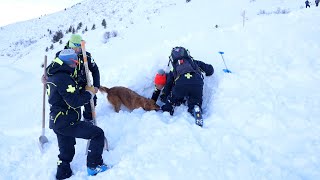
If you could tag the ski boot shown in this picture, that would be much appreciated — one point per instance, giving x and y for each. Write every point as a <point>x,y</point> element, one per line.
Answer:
<point>198,116</point>
<point>98,169</point>
<point>63,170</point>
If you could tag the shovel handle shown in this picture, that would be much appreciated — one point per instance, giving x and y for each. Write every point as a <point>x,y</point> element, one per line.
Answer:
<point>44,95</point>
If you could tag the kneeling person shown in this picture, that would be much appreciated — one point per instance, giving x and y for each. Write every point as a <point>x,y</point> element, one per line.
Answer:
<point>187,83</point>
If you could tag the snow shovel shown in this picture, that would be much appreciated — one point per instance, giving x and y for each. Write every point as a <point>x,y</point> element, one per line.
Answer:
<point>85,60</point>
<point>43,139</point>
<point>224,70</point>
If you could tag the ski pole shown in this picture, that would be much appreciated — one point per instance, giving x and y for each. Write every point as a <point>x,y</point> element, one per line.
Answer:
<point>224,70</point>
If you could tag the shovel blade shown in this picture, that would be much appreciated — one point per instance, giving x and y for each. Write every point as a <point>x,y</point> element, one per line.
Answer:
<point>106,145</point>
<point>43,140</point>
<point>226,71</point>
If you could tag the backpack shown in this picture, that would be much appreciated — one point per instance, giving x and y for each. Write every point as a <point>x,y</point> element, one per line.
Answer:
<point>182,62</point>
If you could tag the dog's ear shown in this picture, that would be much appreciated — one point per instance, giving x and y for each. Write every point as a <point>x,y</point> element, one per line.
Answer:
<point>146,105</point>
<point>152,101</point>
<point>155,105</point>
<point>150,105</point>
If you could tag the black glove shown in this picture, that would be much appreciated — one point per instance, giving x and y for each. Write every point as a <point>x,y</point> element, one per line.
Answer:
<point>167,108</point>
<point>163,98</point>
<point>209,74</point>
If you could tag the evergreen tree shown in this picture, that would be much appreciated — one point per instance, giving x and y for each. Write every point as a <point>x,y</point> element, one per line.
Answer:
<point>57,36</point>
<point>79,26</point>
<point>104,23</point>
<point>70,29</point>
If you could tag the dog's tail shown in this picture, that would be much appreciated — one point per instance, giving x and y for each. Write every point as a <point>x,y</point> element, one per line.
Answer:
<point>103,89</point>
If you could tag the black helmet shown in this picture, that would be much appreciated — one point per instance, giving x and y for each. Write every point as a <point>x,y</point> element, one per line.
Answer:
<point>179,53</point>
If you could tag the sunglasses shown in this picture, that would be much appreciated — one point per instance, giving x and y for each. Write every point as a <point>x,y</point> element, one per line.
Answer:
<point>76,62</point>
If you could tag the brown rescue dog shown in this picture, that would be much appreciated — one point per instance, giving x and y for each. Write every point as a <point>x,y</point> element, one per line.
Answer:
<point>121,95</point>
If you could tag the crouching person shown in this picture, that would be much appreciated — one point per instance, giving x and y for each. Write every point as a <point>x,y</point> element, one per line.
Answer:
<point>185,82</point>
<point>65,101</point>
<point>159,83</point>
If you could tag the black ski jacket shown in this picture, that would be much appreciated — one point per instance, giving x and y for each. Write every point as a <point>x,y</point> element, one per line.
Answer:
<point>196,79</point>
<point>64,95</point>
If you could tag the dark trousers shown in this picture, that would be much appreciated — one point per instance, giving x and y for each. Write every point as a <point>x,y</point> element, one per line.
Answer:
<point>192,93</point>
<point>66,141</point>
<point>87,113</point>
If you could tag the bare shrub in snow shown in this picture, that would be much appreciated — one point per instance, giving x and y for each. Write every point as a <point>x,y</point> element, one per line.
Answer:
<point>281,11</point>
<point>104,23</point>
<point>278,11</point>
<point>107,35</point>
<point>57,36</point>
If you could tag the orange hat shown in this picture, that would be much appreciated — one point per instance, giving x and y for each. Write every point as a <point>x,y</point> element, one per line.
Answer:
<point>160,78</point>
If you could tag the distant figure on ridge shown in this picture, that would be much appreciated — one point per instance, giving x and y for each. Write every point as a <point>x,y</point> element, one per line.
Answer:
<point>307,4</point>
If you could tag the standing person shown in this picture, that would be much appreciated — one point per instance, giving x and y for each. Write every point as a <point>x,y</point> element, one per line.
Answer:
<point>66,99</point>
<point>185,82</point>
<point>80,73</point>
<point>317,3</point>
<point>307,4</point>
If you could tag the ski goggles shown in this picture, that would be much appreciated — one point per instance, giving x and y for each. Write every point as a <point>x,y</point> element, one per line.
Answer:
<point>76,44</point>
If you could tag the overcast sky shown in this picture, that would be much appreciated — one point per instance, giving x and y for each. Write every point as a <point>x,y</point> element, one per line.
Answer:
<point>13,11</point>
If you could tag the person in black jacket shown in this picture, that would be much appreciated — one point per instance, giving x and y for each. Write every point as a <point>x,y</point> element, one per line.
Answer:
<point>80,73</point>
<point>185,83</point>
<point>66,97</point>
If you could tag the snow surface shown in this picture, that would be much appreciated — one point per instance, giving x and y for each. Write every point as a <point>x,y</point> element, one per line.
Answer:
<point>260,122</point>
